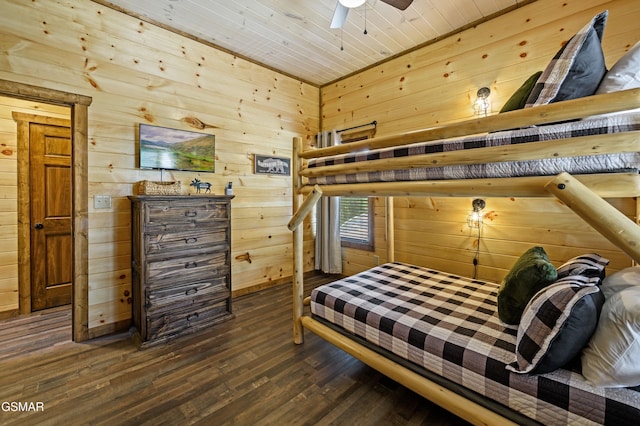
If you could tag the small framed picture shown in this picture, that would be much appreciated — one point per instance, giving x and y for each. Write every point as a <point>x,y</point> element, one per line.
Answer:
<point>270,165</point>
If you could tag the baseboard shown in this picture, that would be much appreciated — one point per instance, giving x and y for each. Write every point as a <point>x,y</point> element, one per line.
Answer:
<point>113,328</point>
<point>269,284</point>
<point>258,287</point>
<point>9,314</point>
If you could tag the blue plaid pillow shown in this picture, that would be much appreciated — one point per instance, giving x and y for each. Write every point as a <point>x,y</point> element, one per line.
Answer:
<point>577,68</point>
<point>590,265</point>
<point>557,323</point>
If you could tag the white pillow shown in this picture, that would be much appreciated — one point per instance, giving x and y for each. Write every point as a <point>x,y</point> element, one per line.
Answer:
<point>625,74</point>
<point>627,277</point>
<point>610,359</point>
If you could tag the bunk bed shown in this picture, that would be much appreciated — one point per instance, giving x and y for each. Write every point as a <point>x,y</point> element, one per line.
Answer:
<point>478,388</point>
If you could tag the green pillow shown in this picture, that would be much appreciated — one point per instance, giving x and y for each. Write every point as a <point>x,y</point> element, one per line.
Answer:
<point>519,99</point>
<point>530,274</point>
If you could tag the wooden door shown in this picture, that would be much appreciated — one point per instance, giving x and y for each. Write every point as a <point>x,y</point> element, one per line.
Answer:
<point>51,215</point>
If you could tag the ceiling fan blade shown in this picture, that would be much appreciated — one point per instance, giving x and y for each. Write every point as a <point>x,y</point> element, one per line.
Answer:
<point>399,4</point>
<point>339,15</point>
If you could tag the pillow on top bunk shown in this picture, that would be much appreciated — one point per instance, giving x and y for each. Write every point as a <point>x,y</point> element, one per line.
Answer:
<point>520,96</point>
<point>624,74</point>
<point>577,68</point>
<point>531,272</point>
<point>557,324</point>
<point>611,357</point>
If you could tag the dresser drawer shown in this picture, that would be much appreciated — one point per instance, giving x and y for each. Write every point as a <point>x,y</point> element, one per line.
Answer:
<point>172,324</point>
<point>186,295</point>
<point>194,212</point>
<point>170,243</point>
<point>198,267</point>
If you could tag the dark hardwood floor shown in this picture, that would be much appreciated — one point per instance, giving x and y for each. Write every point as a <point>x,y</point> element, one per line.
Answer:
<point>246,371</point>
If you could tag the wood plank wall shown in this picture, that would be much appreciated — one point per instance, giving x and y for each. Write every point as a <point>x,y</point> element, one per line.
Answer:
<point>437,84</point>
<point>138,73</point>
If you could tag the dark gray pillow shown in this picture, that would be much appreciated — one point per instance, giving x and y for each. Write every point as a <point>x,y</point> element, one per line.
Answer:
<point>557,324</point>
<point>576,70</point>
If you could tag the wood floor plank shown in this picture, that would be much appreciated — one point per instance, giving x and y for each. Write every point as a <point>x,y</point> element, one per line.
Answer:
<point>245,371</point>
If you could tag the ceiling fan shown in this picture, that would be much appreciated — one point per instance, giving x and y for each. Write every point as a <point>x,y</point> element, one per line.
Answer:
<point>343,6</point>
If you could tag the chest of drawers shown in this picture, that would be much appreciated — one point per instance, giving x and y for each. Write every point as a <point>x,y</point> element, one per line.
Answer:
<point>181,266</point>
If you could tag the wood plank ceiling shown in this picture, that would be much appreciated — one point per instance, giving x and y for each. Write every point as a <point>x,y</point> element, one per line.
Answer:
<point>293,36</point>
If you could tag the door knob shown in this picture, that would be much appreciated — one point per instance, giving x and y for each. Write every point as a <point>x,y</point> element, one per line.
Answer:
<point>38,226</point>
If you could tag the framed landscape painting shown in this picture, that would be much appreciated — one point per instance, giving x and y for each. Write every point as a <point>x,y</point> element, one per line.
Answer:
<point>173,149</point>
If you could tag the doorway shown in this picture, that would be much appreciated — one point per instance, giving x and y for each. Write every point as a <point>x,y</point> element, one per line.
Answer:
<point>44,153</point>
<point>78,214</point>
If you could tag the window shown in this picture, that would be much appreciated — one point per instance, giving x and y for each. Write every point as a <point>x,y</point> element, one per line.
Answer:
<point>356,222</point>
<point>356,213</point>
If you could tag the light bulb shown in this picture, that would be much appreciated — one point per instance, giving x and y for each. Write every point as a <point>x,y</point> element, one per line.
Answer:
<point>352,3</point>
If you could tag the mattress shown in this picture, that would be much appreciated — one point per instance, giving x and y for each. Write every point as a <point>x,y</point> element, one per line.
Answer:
<point>602,163</point>
<point>448,326</point>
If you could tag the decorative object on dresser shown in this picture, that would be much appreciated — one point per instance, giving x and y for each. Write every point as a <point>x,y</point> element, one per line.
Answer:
<point>199,185</point>
<point>181,264</point>
<point>162,187</point>
<point>149,187</point>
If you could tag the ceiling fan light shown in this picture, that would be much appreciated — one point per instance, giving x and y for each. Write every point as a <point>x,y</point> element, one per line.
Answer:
<point>352,3</point>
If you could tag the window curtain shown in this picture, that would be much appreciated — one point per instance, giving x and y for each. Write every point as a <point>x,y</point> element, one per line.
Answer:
<point>328,247</point>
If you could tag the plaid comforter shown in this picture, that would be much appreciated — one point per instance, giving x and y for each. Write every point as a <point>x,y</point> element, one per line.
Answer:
<point>603,163</point>
<point>449,326</point>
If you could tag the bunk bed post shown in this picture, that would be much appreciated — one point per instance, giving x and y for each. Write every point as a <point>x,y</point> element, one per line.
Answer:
<point>298,243</point>
<point>391,247</point>
<point>637,221</point>
<point>298,285</point>
<point>602,216</point>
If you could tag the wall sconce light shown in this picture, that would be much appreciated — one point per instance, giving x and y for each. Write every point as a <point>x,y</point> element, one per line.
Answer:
<point>474,220</point>
<point>482,105</point>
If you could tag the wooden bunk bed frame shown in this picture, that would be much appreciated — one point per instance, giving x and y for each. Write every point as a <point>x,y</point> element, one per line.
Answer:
<point>582,194</point>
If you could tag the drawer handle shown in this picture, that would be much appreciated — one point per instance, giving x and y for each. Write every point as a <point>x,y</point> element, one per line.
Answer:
<point>191,213</point>
<point>190,240</point>
<point>191,291</point>
<point>193,316</point>
<point>190,265</point>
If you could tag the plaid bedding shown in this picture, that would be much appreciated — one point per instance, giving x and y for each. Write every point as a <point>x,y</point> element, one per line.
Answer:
<point>449,325</point>
<point>603,163</point>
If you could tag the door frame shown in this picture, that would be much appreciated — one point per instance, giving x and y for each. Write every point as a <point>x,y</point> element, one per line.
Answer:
<point>79,105</point>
